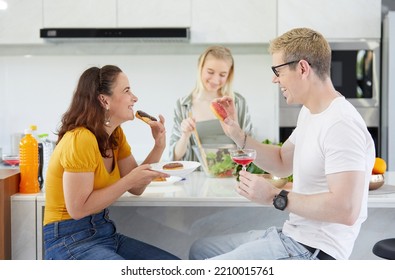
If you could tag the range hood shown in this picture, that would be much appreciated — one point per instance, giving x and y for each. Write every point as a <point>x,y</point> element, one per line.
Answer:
<point>139,34</point>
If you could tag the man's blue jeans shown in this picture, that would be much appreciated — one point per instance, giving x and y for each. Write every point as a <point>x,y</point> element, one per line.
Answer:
<point>270,244</point>
<point>95,238</point>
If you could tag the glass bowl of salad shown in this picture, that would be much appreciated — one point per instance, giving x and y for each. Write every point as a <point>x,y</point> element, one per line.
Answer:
<point>218,162</point>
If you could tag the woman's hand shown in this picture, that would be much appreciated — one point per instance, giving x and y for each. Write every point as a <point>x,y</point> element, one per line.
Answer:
<point>141,176</point>
<point>188,125</point>
<point>186,128</point>
<point>159,132</point>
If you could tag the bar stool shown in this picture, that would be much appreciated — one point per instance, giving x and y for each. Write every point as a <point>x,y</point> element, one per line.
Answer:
<point>385,249</point>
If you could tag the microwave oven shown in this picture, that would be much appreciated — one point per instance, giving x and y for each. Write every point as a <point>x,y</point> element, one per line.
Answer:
<point>355,72</point>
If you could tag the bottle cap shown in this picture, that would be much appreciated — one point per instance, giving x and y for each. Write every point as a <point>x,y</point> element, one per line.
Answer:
<point>33,127</point>
<point>43,135</point>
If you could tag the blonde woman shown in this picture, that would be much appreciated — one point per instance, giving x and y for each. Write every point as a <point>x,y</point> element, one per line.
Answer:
<point>214,79</point>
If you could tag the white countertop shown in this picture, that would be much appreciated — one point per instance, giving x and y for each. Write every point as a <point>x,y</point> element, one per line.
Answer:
<point>199,190</point>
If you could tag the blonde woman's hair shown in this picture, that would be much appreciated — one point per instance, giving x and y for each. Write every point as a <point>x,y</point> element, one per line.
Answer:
<point>307,44</point>
<point>222,53</point>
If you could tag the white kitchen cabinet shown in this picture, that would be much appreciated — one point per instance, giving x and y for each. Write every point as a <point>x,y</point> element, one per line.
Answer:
<point>154,13</point>
<point>335,19</point>
<point>23,227</point>
<point>233,21</point>
<point>116,13</point>
<point>21,22</point>
<point>77,13</point>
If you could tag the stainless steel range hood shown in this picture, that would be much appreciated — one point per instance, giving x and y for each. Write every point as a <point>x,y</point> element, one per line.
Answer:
<point>139,34</point>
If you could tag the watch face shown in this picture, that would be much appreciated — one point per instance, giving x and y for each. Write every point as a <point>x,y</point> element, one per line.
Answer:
<point>280,202</point>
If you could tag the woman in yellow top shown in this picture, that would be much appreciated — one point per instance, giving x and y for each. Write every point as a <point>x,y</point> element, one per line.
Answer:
<point>91,167</point>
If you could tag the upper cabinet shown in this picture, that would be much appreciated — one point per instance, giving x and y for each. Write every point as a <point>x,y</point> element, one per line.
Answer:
<point>154,13</point>
<point>233,21</point>
<point>117,13</point>
<point>21,22</point>
<point>210,21</point>
<point>335,19</point>
<point>77,13</point>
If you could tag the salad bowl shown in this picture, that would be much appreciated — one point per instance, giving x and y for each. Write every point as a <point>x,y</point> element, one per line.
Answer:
<point>218,159</point>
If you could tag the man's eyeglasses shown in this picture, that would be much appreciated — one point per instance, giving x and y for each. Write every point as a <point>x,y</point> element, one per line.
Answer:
<point>274,68</point>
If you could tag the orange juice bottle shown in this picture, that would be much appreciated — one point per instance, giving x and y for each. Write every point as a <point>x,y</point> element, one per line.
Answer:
<point>28,164</point>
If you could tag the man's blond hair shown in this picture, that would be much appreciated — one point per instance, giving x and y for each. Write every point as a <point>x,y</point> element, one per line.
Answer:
<point>307,44</point>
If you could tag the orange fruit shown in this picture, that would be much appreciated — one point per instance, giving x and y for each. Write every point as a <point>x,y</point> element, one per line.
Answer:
<point>380,166</point>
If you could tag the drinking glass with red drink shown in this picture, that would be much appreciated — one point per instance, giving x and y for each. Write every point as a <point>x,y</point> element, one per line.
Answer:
<point>12,160</point>
<point>243,157</point>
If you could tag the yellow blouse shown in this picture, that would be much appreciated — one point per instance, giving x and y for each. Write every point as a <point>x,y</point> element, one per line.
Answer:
<point>78,151</point>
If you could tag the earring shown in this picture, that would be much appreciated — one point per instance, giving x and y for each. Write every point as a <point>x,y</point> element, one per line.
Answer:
<point>107,119</point>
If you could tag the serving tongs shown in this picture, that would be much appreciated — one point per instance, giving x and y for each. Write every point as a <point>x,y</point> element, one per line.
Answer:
<point>200,147</point>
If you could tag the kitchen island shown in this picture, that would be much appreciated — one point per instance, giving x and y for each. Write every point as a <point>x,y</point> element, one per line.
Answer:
<point>173,216</point>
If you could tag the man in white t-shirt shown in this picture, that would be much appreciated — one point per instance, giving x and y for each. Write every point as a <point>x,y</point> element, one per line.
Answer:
<point>330,154</point>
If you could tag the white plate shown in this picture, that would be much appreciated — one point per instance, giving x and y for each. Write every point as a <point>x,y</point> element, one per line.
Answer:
<point>169,181</point>
<point>189,167</point>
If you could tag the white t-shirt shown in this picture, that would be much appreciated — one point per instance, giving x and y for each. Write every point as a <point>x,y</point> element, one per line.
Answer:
<point>332,141</point>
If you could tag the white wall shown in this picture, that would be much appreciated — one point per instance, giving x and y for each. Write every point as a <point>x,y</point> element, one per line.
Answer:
<point>37,90</point>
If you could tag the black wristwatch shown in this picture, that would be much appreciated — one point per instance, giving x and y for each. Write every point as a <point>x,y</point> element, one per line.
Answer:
<point>280,201</point>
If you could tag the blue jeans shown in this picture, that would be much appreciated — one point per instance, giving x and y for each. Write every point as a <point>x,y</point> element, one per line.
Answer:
<point>95,238</point>
<point>270,244</point>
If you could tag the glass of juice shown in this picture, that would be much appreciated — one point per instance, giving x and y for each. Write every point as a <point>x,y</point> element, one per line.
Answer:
<point>243,157</point>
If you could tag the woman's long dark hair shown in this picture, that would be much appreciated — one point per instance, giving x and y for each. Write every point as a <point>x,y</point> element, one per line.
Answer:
<point>86,110</point>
